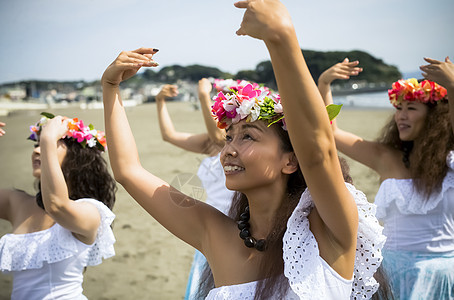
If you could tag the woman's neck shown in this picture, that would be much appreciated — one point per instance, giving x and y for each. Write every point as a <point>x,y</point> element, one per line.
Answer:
<point>263,206</point>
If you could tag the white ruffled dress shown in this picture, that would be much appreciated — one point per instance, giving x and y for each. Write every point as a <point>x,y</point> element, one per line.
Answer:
<point>49,264</point>
<point>419,251</point>
<point>309,276</point>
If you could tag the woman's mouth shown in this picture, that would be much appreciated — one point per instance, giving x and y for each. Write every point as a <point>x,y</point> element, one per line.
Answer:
<point>229,169</point>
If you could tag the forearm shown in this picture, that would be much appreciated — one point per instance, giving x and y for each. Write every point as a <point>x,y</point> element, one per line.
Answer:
<point>215,134</point>
<point>53,185</point>
<point>302,102</point>
<point>121,145</point>
<point>168,131</point>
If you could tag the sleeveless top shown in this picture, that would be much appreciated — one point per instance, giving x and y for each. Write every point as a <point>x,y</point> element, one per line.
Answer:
<point>413,222</point>
<point>309,276</point>
<point>212,176</point>
<point>49,264</point>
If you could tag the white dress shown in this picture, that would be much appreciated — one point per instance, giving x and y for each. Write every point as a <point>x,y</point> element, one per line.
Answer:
<point>419,251</point>
<point>309,276</point>
<point>49,264</point>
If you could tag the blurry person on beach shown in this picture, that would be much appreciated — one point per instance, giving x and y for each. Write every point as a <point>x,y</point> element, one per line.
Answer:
<point>415,161</point>
<point>210,172</point>
<point>292,237</point>
<point>66,226</point>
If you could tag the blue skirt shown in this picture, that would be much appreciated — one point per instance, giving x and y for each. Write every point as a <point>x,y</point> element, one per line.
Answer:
<point>420,276</point>
<point>194,275</point>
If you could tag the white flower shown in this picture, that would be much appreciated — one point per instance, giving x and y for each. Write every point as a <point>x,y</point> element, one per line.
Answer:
<point>91,142</point>
<point>278,108</point>
<point>245,108</point>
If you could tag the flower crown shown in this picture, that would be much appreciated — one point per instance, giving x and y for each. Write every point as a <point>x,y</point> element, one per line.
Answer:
<point>411,90</point>
<point>230,85</point>
<point>84,135</point>
<point>253,104</point>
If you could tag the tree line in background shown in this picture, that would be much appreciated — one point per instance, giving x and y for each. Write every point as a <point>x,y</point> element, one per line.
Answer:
<point>374,71</point>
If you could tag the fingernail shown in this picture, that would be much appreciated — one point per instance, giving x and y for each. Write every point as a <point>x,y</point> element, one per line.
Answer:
<point>155,50</point>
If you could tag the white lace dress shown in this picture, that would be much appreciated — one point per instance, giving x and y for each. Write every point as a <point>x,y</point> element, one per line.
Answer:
<point>419,251</point>
<point>309,276</point>
<point>49,264</point>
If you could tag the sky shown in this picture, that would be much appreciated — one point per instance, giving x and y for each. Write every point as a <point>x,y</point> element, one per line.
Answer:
<point>78,39</point>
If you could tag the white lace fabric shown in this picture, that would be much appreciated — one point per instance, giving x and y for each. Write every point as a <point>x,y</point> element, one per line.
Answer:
<point>405,196</point>
<point>29,251</point>
<point>303,265</point>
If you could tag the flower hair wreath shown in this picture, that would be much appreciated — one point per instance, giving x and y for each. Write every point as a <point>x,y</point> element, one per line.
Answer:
<point>84,135</point>
<point>411,90</point>
<point>253,103</point>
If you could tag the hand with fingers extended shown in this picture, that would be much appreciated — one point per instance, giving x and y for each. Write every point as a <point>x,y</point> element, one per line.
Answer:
<point>167,91</point>
<point>127,64</point>
<point>439,72</point>
<point>2,131</point>
<point>267,20</point>
<point>342,70</point>
<point>204,89</point>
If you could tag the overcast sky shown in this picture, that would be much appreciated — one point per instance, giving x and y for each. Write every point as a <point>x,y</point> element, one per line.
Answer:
<point>77,39</point>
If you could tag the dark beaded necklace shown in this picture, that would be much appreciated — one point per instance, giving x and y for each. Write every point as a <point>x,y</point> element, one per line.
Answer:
<point>245,234</point>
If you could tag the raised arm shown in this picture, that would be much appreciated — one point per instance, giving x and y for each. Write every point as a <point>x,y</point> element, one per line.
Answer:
<point>306,118</point>
<point>199,143</point>
<point>216,134</point>
<point>82,219</point>
<point>180,214</point>
<point>443,74</point>
<point>366,152</point>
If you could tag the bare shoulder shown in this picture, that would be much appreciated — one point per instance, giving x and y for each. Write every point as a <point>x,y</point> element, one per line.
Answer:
<point>391,163</point>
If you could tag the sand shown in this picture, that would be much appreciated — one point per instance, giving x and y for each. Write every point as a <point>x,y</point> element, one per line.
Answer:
<point>150,263</point>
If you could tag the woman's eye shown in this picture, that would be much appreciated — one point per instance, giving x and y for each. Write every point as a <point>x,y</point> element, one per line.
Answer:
<point>36,145</point>
<point>248,137</point>
<point>228,138</point>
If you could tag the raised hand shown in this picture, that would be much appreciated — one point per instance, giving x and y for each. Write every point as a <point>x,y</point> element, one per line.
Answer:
<point>167,91</point>
<point>267,20</point>
<point>439,71</point>
<point>54,129</point>
<point>205,87</point>
<point>127,64</point>
<point>342,70</point>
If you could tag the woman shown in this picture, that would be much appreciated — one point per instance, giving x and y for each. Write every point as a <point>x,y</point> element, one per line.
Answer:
<point>66,226</point>
<point>414,160</point>
<point>210,172</point>
<point>260,163</point>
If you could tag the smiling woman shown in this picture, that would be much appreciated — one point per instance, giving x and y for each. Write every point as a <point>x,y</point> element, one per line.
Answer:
<point>289,233</point>
<point>414,158</point>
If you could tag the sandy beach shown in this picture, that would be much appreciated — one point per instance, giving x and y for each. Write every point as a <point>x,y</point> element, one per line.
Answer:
<point>150,263</point>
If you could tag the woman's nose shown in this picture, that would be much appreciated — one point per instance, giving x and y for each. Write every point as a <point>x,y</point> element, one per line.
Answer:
<point>229,150</point>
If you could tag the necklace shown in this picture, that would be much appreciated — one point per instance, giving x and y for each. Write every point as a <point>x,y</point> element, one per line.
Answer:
<point>245,234</point>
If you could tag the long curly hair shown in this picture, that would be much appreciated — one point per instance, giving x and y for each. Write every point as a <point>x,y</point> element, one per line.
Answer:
<point>275,283</point>
<point>86,175</point>
<point>428,151</point>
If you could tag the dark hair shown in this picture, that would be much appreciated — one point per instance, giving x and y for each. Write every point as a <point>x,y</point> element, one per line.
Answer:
<point>428,154</point>
<point>86,175</point>
<point>274,284</point>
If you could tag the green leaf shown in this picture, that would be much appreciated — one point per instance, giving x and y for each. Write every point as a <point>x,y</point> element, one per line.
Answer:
<point>47,115</point>
<point>333,110</point>
<point>91,126</point>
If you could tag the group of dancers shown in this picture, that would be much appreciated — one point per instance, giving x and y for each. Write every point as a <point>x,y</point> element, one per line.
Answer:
<point>282,218</point>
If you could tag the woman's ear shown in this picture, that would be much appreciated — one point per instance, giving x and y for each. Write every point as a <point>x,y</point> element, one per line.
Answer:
<point>291,165</point>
